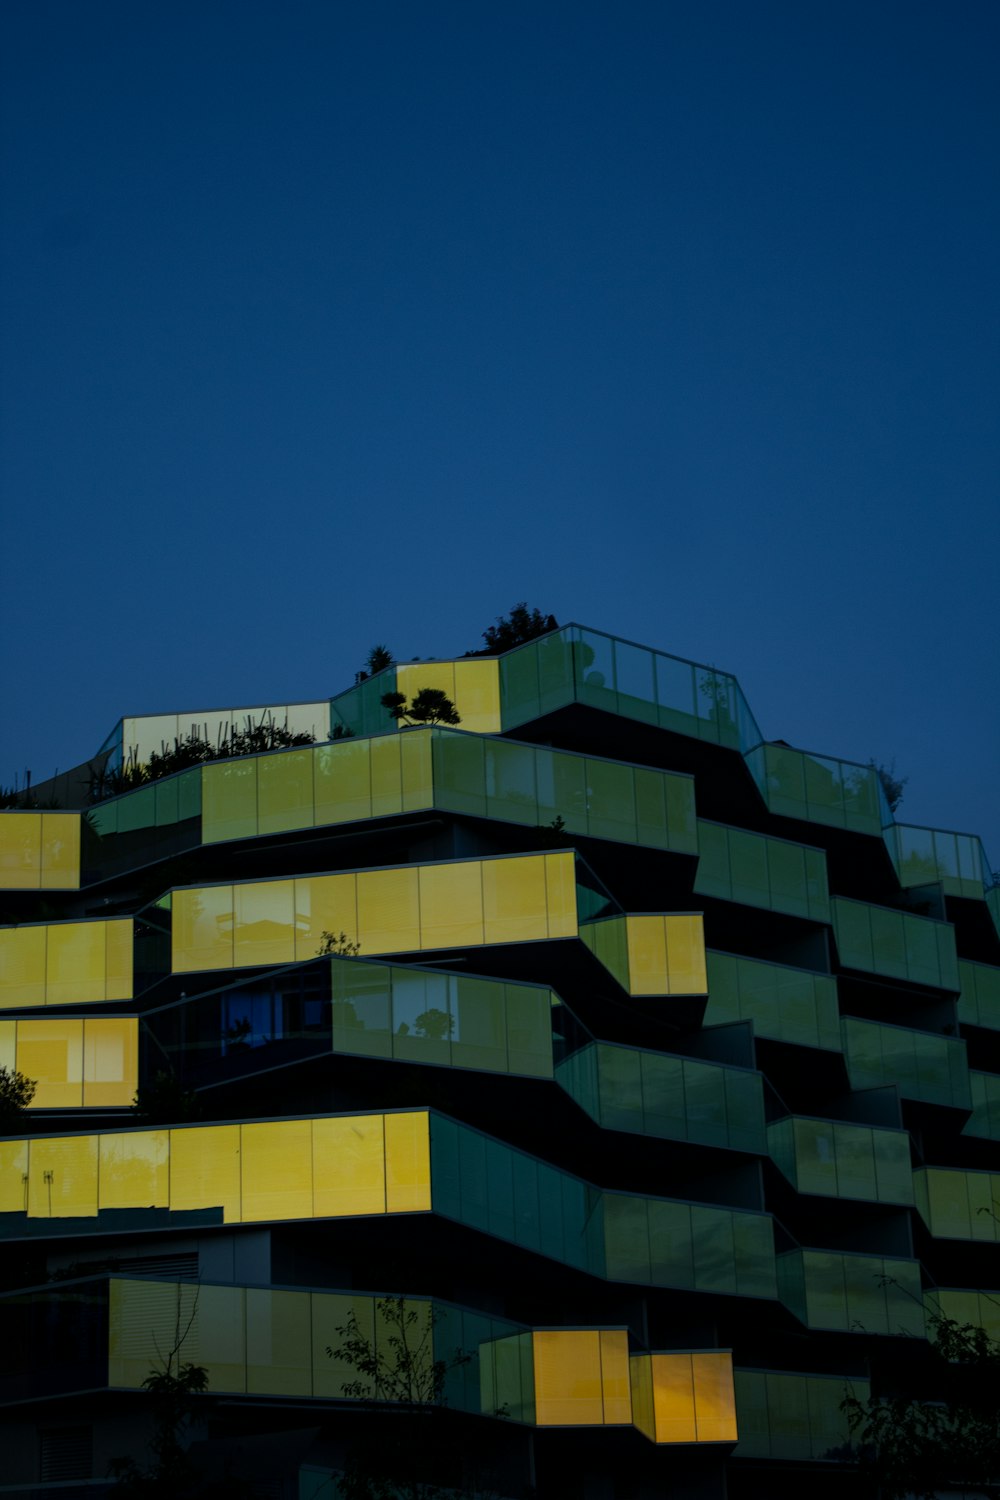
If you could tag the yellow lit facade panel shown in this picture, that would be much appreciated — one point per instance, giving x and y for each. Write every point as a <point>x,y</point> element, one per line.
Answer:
<point>285,791</point>
<point>514,897</point>
<point>229,800</point>
<point>278,1343</point>
<point>666,954</point>
<point>673,1398</point>
<point>388,910</point>
<point>714,1397</point>
<point>694,1400</point>
<point>76,962</point>
<point>407,1163</point>
<point>473,687</point>
<point>205,1169</point>
<point>13,1177</point>
<point>342,780</point>
<point>39,851</point>
<point>264,923</point>
<point>568,1377</point>
<point>202,929</point>
<point>416,770</point>
<point>62,1177</point>
<point>560,891</point>
<point>686,954</point>
<point>348,1166</point>
<point>451,905</point>
<point>8,1045</point>
<point>134,1169</point>
<point>324,903</point>
<point>118,939</point>
<point>386,776</point>
<point>51,1052</point>
<point>66,963</point>
<point>647,955</point>
<point>615,1376</point>
<point>277,1170</point>
<point>22,966</point>
<point>110,1061</point>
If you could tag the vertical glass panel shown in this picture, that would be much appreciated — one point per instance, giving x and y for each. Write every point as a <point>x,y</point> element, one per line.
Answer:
<point>635,681</point>
<point>388,909</point>
<point>786,875</point>
<point>202,929</point>
<point>705,1103</point>
<point>611,801</point>
<point>75,962</point>
<point>342,782</point>
<point>620,1088</point>
<point>561,895</point>
<point>330,1316</point>
<point>529,1030</point>
<point>219,1336</point>
<point>554,656</point>
<point>714,1398</point>
<point>673,1398</point>
<point>118,959</point>
<point>567,1366</point>
<point>8,1045</point>
<point>826,1301</point>
<point>348,1166</point>
<point>13,1177</point>
<point>387,776</point>
<point>615,1376</point>
<point>416,771</point>
<point>664,1112</point>
<point>888,945</point>
<point>786,791</point>
<point>626,1239</point>
<point>285,791</point>
<point>422,1016</point>
<point>135,1169</point>
<point>143,1317</point>
<point>60,851</point>
<point>205,1169</point>
<point>276,1177</point>
<point>715,1262</point>
<point>647,955</point>
<point>110,1061</point>
<point>713,877</point>
<point>20,851</point>
<point>595,671</point>
<point>510,782</point>
<point>479,1034</point>
<point>62,1177</point>
<point>22,966</point>
<point>477,695</point>
<point>407,1163</point>
<point>264,914</point>
<point>514,899</point>
<point>324,904</point>
<point>686,954</point>
<point>51,1052</point>
<point>748,864</point>
<point>459,772</point>
<point>279,1354</point>
<point>652,825</point>
<point>519,685</point>
<point>815,1157</point>
<point>671,1244</point>
<point>229,800</point>
<point>451,906</point>
<point>855,1162</point>
<point>361,1008</point>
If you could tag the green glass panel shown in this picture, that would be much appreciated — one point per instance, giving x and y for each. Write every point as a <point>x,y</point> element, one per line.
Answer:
<point>554,656</point>
<point>635,682</point>
<point>651,808</point>
<point>611,801</point>
<point>626,1238</point>
<point>595,670</point>
<point>748,868</point>
<point>565,778</point>
<point>713,877</point>
<point>786,790</point>
<point>510,782</point>
<point>620,1086</point>
<point>478,1009</point>
<point>529,1030</point>
<point>753,1250</point>
<point>888,945</point>
<point>459,773</point>
<point>671,1244</point>
<point>137,810</point>
<point>519,694</point>
<point>715,1262</point>
<point>680,803</point>
<point>787,878</point>
<point>705,1104</point>
<point>663,1095</point>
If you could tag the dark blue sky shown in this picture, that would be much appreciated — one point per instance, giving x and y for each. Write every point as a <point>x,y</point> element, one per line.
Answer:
<point>330,323</point>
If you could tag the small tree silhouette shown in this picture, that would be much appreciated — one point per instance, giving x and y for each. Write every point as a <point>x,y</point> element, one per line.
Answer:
<point>429,706</point>
<point>16,1093</point>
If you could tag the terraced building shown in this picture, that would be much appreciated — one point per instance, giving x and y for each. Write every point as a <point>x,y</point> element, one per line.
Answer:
<point>654,1064</point>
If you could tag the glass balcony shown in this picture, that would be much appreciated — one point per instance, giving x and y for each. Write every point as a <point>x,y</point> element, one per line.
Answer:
<point>924,1066</point>
<point>895,944</point>
<point>819,788</point>
<point>933,856</point>
<point>784,1004</point>
<point>88,1062</point>
<point>958,1205</point>
<point>979,1309</point>
<point>788,1416</point>
<point>66,963</point>
<point>985,1121</point>
<point>864,1294</point>
<point>833,1159</point>
<point>673,1098</point>
<point>979,998</point>
<point>754,870</point>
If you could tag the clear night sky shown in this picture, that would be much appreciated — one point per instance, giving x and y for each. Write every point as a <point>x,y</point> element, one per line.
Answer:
<point>328,323</point>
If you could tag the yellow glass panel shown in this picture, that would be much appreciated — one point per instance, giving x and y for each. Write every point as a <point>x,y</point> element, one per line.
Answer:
<point>51,1052</point>
<point>8,1045</point>
<point>202,929</point>
<point>673,1398</point>
<point>451,905</point>
<point>264,914</point>
<point>13,1177</point>
<point>641,1378</point>
<point>134,1168</point>
<point>331,1311</point>
<point>514,899</point>
<point>285,791</point>
<point>229,800</point>
<point>20,851</point>
<point>219,1336</point>
<point>279,1337</point>
<point>205,1169</point>
<point>22,966</point>
<point>348,1166</point>
<point>144,1319</point>
<point>324,903</point>
<point>343,782</point>
<point>686,954</point>
<point>118,949</point>
<point>387,776</point>
<point>615,1376</point>
<point>568,1378</point>
<point>110,1060</point>
<point>62,1177</point>
<point>647,955</point>
<point>60,851</point>
<point>388,910</point>
<point>413,676</point>
<point>477,695</point>
<point>76,962</point>
<point>560,886</point>
<point>407,1163</point>
<point>277,1170</point>
<point>714,1398</point>
<point>417,770</point>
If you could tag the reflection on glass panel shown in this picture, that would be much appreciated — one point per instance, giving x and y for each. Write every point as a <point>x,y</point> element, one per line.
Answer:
<point>202,929</point>
<point>51,1052</point>
<point>276,1170</point>
<point>205,1169</point>
<point>263,923</point>
<point>349,1166</point>
<point>134,1169</point>
<point>62,1177</point>
<point>285,791</point>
